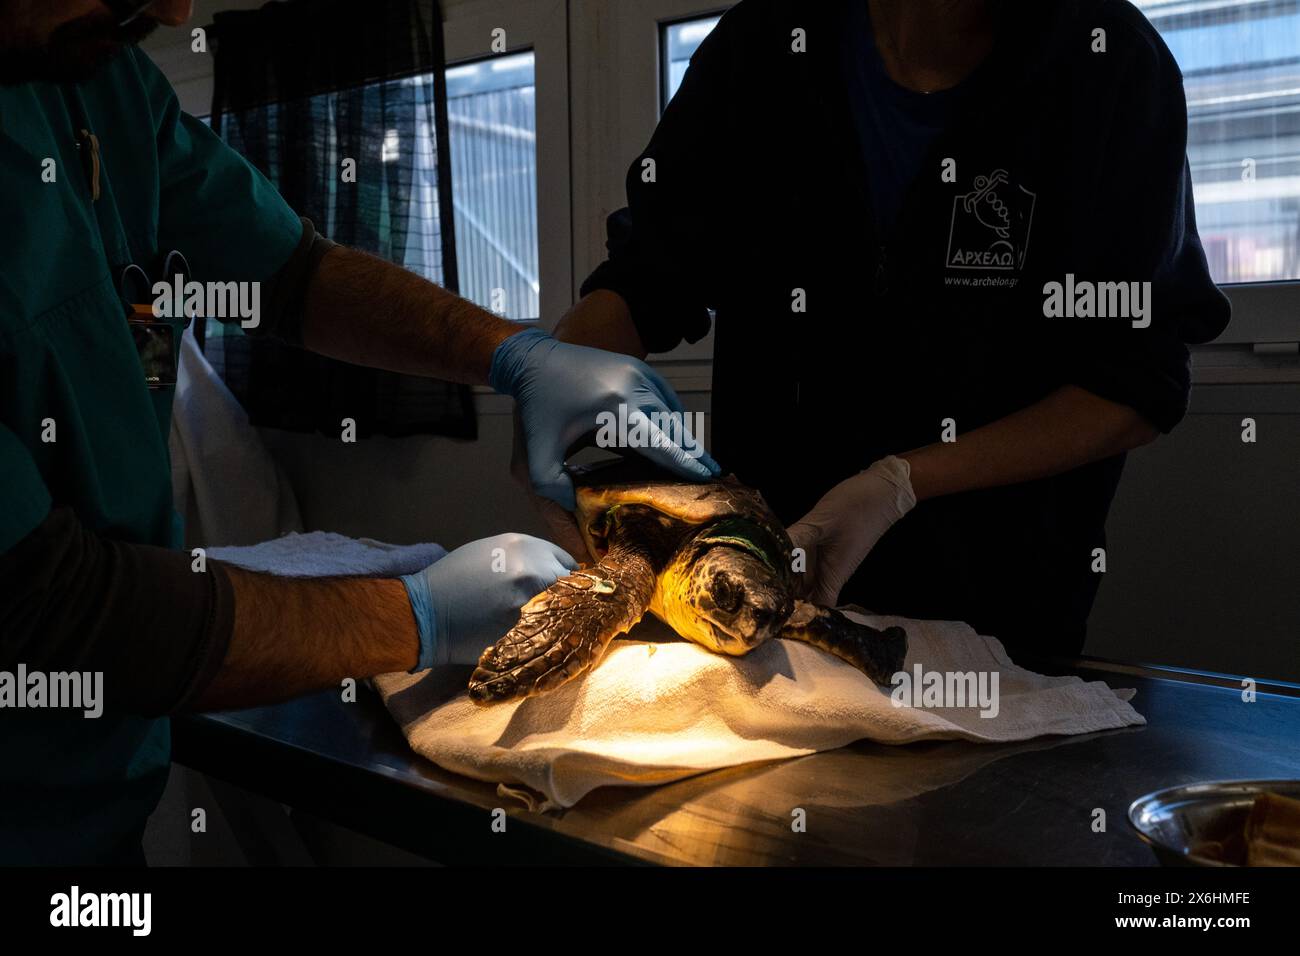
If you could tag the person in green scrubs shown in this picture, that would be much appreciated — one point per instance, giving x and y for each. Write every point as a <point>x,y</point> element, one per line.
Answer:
<point>99,169</point>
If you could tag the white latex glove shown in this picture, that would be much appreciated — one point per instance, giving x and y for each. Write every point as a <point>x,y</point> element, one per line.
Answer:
<point>845,525</point>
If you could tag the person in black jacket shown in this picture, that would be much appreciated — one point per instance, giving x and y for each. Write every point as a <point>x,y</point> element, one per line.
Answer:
<point>952,255</point>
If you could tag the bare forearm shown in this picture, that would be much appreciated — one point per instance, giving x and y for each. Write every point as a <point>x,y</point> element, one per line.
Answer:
<point>292,636</point>
<point>364,310</point>
<point>601,320</point>
<point>1069,428</point>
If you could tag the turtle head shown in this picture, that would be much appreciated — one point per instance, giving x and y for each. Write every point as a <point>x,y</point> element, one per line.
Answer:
<point>725,596</point>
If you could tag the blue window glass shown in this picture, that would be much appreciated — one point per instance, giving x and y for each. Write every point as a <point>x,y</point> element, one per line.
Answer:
<point>678,42</point>
<point>1241,71</point>
<point>492,114</point>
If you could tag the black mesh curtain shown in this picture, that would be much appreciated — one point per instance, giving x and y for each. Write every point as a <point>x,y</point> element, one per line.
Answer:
<point>301,86</point>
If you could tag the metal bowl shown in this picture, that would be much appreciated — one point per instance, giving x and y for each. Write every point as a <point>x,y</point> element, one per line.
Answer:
<point>1185,826</point>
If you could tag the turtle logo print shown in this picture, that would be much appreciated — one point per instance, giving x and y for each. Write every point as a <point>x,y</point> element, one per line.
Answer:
<point>990,225</point>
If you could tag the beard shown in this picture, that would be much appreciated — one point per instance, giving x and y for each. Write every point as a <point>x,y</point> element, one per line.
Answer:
<point>74,52</point>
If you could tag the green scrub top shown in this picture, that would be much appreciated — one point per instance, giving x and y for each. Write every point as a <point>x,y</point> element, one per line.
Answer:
<point>73,789</point>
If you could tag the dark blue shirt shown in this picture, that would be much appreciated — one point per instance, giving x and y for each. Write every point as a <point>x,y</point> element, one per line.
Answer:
<point>895,125</point>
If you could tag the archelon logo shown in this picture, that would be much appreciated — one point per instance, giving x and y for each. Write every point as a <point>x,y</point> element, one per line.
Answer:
<point>990,225</point>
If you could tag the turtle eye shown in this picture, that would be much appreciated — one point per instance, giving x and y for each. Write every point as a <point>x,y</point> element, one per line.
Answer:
<point>727,595</point>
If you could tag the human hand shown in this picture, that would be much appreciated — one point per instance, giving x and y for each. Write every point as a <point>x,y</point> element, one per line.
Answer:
<point>561,389</point>
<point>842,528</point>
<point>471,598</point>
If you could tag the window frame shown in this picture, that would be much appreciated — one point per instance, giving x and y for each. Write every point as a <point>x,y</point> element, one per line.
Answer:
<point>1264,313</point>
<point>617,56</point>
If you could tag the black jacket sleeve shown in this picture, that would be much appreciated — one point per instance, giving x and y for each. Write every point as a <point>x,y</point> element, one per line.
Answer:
<point>664,247</point>
<point>71,600</point>
<point>286,291</point>
<point>1134,220</point>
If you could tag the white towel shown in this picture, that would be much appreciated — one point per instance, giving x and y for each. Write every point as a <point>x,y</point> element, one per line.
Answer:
<point>652,712</point>
<point>225,484</point>
<point>319,554</point>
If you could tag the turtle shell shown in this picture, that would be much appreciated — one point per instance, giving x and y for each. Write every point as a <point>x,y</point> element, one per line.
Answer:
<point>686,503</point>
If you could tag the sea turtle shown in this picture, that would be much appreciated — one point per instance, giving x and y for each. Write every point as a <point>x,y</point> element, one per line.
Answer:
<point>711,560</point>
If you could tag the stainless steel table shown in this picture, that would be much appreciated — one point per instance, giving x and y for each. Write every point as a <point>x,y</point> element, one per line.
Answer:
<point>945,803</point>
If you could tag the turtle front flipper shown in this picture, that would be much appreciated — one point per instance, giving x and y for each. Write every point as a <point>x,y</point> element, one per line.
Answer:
<point>564,630</point>
<point>878,654</point>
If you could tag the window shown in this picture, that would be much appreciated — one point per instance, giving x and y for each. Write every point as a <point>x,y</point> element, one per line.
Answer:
<point>525,169</point>
<point>492,117</point>
<point>492,136</point>
<point>423,251</point>
<point>1241,71</point>
<point>680,41</point>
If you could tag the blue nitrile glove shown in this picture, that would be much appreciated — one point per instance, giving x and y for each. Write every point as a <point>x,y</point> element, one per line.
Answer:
<point>469,599</point>
<point>561,388</point>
